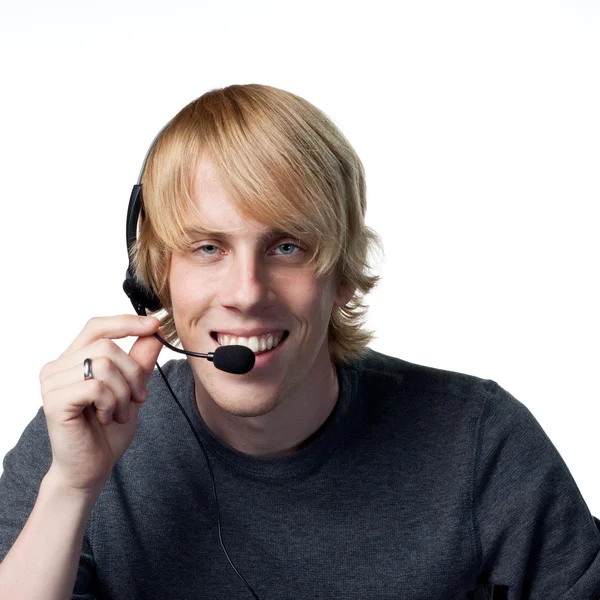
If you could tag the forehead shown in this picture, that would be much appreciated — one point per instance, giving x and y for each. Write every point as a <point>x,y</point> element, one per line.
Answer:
<point>214,208</point>
<point>206,179</point>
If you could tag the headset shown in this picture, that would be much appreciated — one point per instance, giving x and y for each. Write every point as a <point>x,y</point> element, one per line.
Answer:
<point>232,359</point>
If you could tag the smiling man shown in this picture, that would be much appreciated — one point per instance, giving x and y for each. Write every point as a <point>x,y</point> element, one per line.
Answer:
<point>243,283</point>
<point>328,471</point>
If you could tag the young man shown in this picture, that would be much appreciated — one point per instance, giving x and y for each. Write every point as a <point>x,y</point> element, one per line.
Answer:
<point>338,472</point>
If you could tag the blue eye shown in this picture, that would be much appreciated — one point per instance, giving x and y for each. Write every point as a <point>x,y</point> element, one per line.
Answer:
<point>289,248</point>
<point>208,249</point>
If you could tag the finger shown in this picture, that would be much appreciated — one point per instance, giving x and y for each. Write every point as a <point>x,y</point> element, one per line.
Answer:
<point>145,353</point>
<point>114,328</point>
<point>104,372</point>
<point>65,404</point>
<point>72,366</point>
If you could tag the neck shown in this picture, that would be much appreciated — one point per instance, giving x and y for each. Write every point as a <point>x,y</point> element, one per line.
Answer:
<point>287,428</point>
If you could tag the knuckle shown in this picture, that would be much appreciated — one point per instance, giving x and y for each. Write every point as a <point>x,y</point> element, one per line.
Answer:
<point>91,323</point>
<point>90,326</point>
<point>44,371</point>
<point>122,393</point>
<point>96,388</point>
<point>105,346</point>
<point>108,403</point>
<point>49,412</point>
<point>138,373</point>
<point>47,401</point>
<point>111,399</point>
<point>104,365</point>
<point>125,397</point>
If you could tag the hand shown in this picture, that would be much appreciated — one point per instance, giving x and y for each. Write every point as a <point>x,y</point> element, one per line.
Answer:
<point>91,423</point>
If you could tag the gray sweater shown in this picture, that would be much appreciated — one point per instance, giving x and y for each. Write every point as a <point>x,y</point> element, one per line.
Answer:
<point>422,485</point>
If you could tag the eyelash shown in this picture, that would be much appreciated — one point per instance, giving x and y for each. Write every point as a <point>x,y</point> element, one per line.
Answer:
<point>199,248</point>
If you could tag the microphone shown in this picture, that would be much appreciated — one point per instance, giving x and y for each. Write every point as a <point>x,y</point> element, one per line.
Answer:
<point>231,359</point>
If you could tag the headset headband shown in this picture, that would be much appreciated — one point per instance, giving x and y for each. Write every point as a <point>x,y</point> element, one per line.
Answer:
<point>140,296</point>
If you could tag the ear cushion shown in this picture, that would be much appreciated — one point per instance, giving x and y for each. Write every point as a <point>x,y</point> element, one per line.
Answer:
<point>140,296</point>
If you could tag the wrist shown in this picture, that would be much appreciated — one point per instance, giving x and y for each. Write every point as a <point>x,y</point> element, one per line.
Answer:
<point>56,485</point>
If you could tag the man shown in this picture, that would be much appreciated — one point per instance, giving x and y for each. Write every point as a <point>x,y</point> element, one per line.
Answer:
<point>330,471</point>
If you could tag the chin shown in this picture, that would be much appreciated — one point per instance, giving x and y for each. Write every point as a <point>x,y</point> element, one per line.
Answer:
<point>235,395</point>
<point>242,407</point>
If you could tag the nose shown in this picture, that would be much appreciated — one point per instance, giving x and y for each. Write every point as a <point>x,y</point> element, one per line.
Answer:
<point>245,284</point>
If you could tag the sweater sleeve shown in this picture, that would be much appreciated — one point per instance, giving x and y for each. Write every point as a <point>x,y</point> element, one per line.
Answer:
<point>536,534</point>
<point>24,468</point>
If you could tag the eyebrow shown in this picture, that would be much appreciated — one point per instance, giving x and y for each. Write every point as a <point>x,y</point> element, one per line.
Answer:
<point>268,235</point>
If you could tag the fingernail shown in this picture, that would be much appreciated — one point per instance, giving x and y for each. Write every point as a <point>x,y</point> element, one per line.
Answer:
<point>148,321</point>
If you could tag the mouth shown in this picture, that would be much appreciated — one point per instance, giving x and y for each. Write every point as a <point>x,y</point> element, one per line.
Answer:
<point>258,344</point>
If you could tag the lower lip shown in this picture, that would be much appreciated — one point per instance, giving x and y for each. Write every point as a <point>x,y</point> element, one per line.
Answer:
<point>265,358</point>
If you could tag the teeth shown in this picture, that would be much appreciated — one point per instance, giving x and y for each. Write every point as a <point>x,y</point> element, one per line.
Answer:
<point>255,343</point>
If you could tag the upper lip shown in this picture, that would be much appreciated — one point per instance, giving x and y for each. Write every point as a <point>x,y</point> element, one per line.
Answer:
<point>257,331</point>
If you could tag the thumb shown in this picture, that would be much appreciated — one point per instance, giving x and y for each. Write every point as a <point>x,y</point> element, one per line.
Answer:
<point>145,352</point>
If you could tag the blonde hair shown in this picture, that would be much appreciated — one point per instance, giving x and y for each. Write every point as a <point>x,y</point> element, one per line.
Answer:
<point>287,166</point>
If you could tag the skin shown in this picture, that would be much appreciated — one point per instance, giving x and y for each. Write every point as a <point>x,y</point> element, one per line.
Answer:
<point>242,280</point>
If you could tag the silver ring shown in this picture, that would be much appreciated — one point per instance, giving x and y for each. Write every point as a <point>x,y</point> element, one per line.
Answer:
<point>87,369</point>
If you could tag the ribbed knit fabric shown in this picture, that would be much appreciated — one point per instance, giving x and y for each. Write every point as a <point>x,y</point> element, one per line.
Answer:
<point>423,484</point>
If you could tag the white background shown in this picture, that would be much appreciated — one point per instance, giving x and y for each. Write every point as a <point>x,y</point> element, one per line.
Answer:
<point>478,124</point>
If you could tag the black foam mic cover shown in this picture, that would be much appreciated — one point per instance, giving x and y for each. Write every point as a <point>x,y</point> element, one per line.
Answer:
<point>234,359</point>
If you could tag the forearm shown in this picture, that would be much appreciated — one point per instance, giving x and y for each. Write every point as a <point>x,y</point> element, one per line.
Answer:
<point>43,560</point>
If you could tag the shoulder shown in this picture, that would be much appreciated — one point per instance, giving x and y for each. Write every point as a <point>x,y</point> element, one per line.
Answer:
<point>391,372</point>
<point>452,400</point>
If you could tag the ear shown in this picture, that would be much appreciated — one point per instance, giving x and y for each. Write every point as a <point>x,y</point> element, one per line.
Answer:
<point>343,296</point>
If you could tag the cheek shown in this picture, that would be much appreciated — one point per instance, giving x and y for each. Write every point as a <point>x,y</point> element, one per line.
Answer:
<point>188,299</point>
<point>310,299</point>
<point>189,289</point>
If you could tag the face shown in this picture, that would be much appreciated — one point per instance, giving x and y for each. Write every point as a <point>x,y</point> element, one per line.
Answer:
<point>254,287</point>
